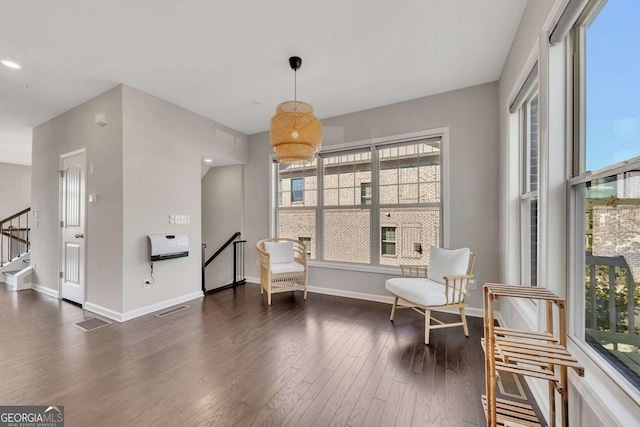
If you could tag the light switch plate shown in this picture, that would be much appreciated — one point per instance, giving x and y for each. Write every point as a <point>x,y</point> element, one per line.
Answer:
<point>182,219</point>
<point>93,198</point>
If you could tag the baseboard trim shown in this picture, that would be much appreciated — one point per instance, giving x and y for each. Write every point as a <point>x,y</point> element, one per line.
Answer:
<point>253,280</point>
<point>103,311</point>
<point>44,290</point>
<point>143,311</point>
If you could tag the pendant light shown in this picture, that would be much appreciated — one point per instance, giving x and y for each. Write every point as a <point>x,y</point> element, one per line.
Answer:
<point>296,134</point>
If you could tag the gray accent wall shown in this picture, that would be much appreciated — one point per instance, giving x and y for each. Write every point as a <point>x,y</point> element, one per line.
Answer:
<point>71,131</point>
<point>15,189</point>
<point>222,189</point>
<point>471,115</point>
<point>163,150</point>
<point>146,167</point>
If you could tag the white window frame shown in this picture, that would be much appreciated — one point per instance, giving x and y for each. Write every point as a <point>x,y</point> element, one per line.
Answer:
<point>441,133</point>
<point>526,194</point>
<point>576,218</point>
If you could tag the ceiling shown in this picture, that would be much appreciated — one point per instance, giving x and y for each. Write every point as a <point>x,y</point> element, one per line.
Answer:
<point>228,61</point>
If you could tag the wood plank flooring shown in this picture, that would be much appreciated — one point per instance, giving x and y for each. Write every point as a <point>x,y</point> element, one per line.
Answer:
<point>231,360</point>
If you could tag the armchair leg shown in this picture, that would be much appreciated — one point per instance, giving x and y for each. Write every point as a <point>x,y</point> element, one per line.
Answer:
<point>261,289</point>
<point>305,294</point>
<point>427,325</point>
<point>269,298</point>
<point>393,309</point>
<point>464,322</point>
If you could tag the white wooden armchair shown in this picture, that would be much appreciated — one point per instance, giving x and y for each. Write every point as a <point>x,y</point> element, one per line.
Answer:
<point>283,266</point>
<point>442,285</point>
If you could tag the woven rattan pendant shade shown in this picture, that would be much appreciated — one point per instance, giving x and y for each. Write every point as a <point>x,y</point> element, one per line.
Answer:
<point>296,134</point>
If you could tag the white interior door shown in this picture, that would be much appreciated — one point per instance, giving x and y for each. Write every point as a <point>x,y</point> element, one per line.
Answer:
<point>72,223</point>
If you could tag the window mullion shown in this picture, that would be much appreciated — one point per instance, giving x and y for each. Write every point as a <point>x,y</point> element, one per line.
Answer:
<point>319,208</point>
<point>375,209</point>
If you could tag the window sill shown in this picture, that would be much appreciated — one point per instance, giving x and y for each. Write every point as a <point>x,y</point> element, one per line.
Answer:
<point>603,387</point>
<point>363,268</point>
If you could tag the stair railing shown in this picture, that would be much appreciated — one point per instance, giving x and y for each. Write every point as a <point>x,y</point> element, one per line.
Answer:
<point>15,236</point>
<point>238,263</point>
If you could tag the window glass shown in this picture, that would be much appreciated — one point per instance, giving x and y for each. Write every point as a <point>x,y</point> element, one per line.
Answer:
<point>389,241</point>
<point>297,190</point>
<point>532,144</point>
<point>416,230</point>
<point>297,185</point>
<point>307,245</point>
<point>529,197</point>
<point>612,269</point>
<point>344,176</point>
<point>299,222</point>
<point>347,235</point>
<point>612,67</point>
<point>365,193</point>
<point>409,206</point>
<point>607,212</point>
<point>410,173</point>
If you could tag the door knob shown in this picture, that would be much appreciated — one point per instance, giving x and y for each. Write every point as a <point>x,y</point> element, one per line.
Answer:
<point>79,236</point>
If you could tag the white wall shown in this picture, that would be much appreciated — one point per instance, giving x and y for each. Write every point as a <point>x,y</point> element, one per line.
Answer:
<point>15,189</point>
<point>163,148</point>
<point>70,131</point>
<point>470,114</point>
<point>221,217</point>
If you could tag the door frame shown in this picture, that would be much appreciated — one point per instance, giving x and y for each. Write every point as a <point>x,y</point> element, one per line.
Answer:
<point>85,213</point>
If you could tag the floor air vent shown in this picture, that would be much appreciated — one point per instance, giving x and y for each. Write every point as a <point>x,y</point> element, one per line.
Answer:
<point>171,311</point>
<point>509,385</point>
<point>91,324</point>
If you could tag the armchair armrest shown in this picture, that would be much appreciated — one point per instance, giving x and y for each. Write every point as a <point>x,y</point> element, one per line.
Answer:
<point>265,258</point>
<point>457,287</point>
<point>414,270</point>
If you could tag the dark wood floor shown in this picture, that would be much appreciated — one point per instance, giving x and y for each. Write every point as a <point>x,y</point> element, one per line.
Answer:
<point>232,360</point>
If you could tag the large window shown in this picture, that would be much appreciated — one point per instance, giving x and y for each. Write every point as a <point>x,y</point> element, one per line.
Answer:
<point>378,205</point>
<point>606,192</point>
<point>529,195</point>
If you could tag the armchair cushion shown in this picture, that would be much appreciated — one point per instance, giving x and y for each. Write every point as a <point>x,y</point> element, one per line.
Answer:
<point>286,267</point>
<point>279,252</point>
<point>420,291</point>
<point>447,262</point>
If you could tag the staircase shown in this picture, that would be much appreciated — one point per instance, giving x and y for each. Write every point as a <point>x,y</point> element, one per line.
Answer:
<point>14,236</point>
<point>15,244</point>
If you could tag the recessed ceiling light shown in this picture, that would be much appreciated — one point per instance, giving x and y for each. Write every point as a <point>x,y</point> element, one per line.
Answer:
<point>11,64</point>
<point>208,160</point>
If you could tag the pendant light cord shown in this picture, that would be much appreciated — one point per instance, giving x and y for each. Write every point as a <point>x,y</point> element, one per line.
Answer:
<point>295,96</point>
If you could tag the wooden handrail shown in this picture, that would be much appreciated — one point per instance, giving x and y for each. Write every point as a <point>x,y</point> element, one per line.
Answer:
<point>11,236</point>
<point>14,243</point>
<point>222,248</point>
<point>16,215</point>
